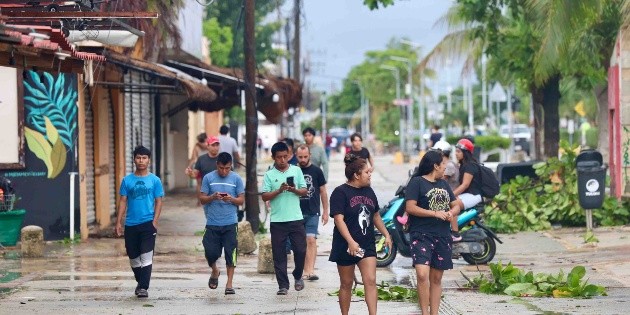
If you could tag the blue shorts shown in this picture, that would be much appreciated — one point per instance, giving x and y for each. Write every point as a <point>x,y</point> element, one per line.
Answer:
<point>311,223</point>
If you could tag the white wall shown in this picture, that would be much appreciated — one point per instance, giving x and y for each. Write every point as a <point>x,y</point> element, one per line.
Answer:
<point>190,26</point>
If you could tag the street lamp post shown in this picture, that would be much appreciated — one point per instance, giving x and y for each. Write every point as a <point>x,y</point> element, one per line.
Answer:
<point>364,110</point>
<point>421,99</point>
<point>408,91</point>
<point>324,117</point>
<point>401,126</point>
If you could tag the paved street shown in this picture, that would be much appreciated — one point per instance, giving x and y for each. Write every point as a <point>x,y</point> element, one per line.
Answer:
<point>94,276</point>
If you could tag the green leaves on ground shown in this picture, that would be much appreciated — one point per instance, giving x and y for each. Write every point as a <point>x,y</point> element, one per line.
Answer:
<point>513,281</point>
<point>387,292</point>
<point>526,204</point>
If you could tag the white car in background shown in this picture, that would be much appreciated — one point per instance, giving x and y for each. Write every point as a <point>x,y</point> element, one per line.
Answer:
<point>521,135</point>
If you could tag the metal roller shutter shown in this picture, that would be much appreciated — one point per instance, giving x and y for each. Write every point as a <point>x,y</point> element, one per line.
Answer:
<point>112,157</point>
<point>138,120</point>
<point>89,164</point>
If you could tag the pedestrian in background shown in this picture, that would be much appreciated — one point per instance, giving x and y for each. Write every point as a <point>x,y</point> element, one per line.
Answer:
<point>222,191</point>
<point>291,145</point>
<point>328,143</point>
<point>354,207</point>
<point>205,163</point>
<point>358,150</point>
<point>435,136</point>
<point>283,185</point>
<point>318,155</point>
<point>229,145</point>
<point>430,203</point>
<point>310,205</point>
<point>200,148</point>
<point>140,202</point>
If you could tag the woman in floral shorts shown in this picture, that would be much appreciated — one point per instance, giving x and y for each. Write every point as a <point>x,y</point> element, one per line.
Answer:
<point>430,204</point>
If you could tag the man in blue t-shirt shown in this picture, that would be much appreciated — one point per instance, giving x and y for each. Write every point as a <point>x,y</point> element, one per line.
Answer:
<point>222,191</point>
<point>141,195</point>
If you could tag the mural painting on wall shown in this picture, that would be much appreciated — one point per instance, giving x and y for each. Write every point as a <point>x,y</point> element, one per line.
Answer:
<point>50,130</point>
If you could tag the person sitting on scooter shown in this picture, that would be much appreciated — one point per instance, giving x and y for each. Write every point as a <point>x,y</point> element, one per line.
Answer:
<point>469,189</point>
<point>451,176</point>
<point>430,203</point>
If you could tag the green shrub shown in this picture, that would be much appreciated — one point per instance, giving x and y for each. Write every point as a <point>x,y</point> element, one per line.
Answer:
<point>486,143</point>
<point>525,204</point>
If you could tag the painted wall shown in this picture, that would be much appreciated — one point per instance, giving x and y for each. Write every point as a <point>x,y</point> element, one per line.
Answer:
<point>50,103</point>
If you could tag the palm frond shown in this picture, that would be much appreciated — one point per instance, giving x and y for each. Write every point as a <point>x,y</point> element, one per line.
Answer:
<point>454,46</point>
<point>55,98</point>
<point>559,22</point>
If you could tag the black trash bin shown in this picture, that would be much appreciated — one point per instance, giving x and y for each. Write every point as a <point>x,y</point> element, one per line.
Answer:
<point>591,179</point>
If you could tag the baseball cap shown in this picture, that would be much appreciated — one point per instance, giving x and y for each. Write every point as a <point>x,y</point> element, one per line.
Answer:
<point>213,140</point>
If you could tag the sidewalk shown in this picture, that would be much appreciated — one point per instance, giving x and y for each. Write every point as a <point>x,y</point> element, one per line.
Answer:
<point>94,276</point>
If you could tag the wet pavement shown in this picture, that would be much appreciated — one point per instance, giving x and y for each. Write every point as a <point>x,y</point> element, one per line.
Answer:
<point>94,276</point>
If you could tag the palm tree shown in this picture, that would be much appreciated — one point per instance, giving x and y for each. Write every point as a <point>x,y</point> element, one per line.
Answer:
<point>584,32</point>
<point>158,32</point>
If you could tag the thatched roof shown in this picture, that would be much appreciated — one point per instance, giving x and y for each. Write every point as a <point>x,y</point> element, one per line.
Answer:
<point>197,93</point>
<point>288,90</point>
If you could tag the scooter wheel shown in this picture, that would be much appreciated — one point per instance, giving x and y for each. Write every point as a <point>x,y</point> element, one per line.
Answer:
<point>385,258</point>
<point>489,249</point>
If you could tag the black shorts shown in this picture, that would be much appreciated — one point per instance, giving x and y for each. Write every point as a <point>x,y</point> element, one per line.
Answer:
<point>216,238</point>
<point>431,250</point>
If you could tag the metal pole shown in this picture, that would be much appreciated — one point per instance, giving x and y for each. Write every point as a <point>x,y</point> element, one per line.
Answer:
<point>72,175</point>
<point>421,109</point>
<point>471,117</point>
<point>509,118</point>
<point>410,108</point>
<point>484,85</point>
<point>324,118</point>
<point>252,206</point>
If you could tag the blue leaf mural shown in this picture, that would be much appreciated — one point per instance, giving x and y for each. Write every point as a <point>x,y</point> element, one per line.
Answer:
<point>54,97</point>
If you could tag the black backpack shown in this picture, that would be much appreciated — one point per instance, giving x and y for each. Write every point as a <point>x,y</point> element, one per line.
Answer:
<point>489,183</point>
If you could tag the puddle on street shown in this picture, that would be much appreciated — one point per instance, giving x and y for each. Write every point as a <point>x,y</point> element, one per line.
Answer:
<point>8,276</point>
<point>82,277</point>
<point>87,289</point>
<point>534,308</point>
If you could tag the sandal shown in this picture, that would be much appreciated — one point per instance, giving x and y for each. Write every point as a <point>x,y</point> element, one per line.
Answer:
<point>299,284</point>
<point>311,277</point>
<point>213,283</point>
<point>283,291</point>
<point>229,291</point>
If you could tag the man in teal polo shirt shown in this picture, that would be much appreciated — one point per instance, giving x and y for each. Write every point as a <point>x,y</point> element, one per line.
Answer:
<point>283,185</point>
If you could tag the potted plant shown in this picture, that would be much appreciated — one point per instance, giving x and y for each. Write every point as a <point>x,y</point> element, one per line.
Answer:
<point>10,219</point>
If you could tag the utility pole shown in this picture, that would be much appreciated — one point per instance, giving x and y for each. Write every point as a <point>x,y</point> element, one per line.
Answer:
<point>251,187</point>
<point>296,41</point>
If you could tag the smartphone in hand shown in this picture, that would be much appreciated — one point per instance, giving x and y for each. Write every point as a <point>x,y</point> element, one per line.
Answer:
<point>223,194</point>
<point>290,181</point>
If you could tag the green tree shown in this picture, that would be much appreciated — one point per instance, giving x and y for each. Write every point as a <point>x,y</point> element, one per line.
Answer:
<point>380,89</point>
<point>228,14</point>
<point>221,41</point>
<point>584,32</point>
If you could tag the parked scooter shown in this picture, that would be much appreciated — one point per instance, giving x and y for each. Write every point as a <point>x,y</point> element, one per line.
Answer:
<point>477,246</point>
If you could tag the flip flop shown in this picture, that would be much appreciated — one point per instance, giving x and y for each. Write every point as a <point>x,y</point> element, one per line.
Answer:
<point>312,277</point>
<point>229,291</point>
<point>213,283</point>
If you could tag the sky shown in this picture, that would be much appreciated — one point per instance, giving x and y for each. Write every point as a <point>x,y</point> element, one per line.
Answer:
<point>337,33</point>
